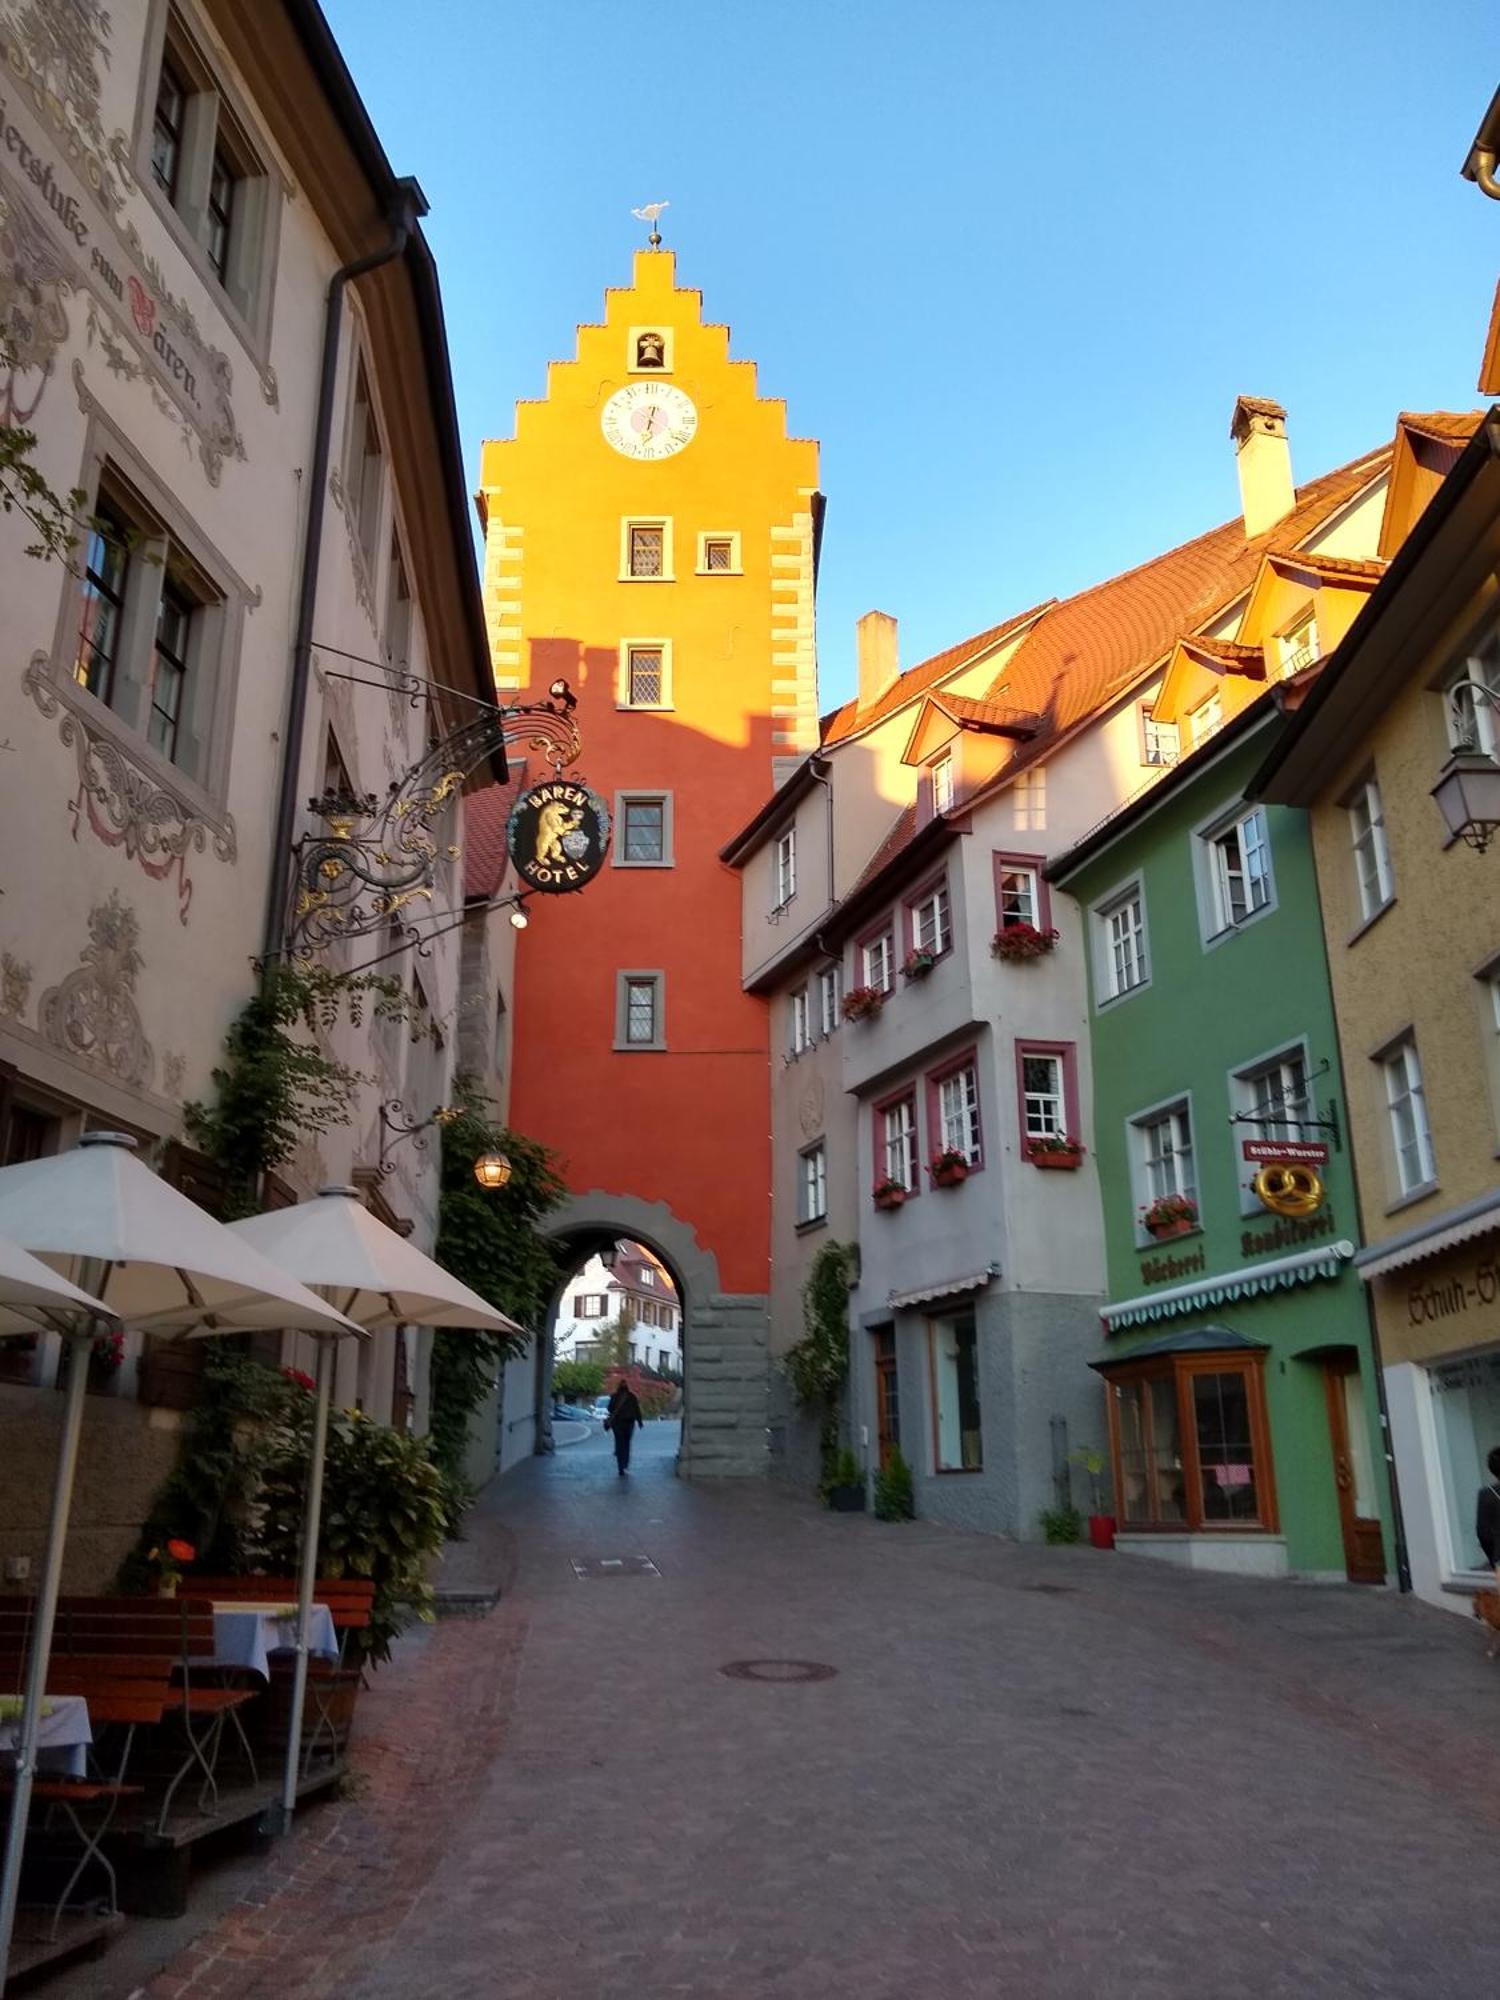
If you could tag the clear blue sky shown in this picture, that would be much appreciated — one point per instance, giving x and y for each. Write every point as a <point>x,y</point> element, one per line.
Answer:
<point>1009,260</point>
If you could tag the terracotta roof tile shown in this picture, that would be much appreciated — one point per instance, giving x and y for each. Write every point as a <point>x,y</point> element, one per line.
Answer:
<point>1255,406</point>
<point>898,837</point>
<point>1443,426</point>
<point>1353,568</point>
<point>1229,654</point>
<point>844,721</point>
<point>998,716</point>
<point>485,815</point>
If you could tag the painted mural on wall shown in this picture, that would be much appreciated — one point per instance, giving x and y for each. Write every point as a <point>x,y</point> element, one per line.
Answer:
<point>64,235</point>
<point>92,1014</point>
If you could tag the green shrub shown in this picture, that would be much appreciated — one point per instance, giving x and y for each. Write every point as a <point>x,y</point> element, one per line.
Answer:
<point>894,1497</point>
<point>577,1378</point>
<point>1061,1525</point>
<point>846,1470</point>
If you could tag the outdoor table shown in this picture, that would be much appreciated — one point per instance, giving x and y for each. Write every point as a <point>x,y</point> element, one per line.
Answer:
<point>247,1633</point>
<point>65,1736</point>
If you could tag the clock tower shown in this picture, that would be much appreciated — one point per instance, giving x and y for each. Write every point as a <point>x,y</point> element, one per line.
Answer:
<point>651,536</point>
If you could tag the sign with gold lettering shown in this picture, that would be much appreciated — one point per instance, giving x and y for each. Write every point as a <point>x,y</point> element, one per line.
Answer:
<point>558,836</point>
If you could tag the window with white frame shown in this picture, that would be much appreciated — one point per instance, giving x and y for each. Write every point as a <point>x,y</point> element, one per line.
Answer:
<point>942,784</point>
<point>364,464</point>
<point>1160,743</point>
<point>588,1305</point>
<point>897,1156</point>
<point>1121,927</point>
<point>1044,1100</point>
<point>830,998</point>
<point>1239,870</point>
<point>1275,1097</point>
<point>1489,998</point>
<point>1473,723</point>
<point>958,1113</point>
<point>1205,719</point>
<point>643,830</point>
<point>785,867</point>
<point>638,1011</point>
<point>1298,646</point>
<point>1372,856</point>
<point>812,1184</point>
<point>1164,1153</point>
<point>648,1276</point>
<point>1018,895</point>
<point>1406,1109</point>
<point>646,683</point>
<point>647,550</point>
<point>932,920</point>
<point>878,961</point>
<point>801,1023</point>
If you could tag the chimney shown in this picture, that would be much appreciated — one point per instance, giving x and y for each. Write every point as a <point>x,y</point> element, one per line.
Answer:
<point>1263,459</point>
<point>875,644</point>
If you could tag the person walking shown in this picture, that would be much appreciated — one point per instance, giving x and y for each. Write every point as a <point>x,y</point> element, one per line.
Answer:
<point>1487,1515</point>
<point>623,1421</point>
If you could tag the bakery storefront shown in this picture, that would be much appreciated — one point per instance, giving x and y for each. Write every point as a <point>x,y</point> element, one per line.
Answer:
<point>1436,1294</point>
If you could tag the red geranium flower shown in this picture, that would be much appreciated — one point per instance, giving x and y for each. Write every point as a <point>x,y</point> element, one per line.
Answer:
<point>182,1552</point>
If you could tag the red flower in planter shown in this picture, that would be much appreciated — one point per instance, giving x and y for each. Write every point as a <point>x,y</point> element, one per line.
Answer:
<point>918,962</point>
<point>1169,1215</point>
<point>890,1194</point>
<point>1021,941</point>
<point>182,1552</point>
<point>862,1003</point>
<point>949,1168</point>
<point>1055,1149</point>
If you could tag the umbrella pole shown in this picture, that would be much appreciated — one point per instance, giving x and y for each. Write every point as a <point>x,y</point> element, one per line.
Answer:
<point>311,1520</point>
<point>41,1637</point>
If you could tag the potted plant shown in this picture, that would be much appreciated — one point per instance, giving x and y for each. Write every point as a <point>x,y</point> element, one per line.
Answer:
<point>1017,942</point>
<point>168,1561</point>
<point>862,1003</point>
<point>846,1488</point>
<point>1169,1215</point>
<point>106,1352</point>
<point>894,1498</point>
<point>918,962</point>
<point>890,1194</point>
<point>1101,1525</point>
<point>949,1168</point>
<point>1057,1150</point>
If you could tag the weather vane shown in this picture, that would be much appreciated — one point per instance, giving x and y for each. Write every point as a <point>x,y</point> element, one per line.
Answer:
<point>652,213</point>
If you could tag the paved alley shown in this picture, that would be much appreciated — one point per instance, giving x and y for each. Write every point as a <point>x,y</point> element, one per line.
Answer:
<point>1031,1772</point>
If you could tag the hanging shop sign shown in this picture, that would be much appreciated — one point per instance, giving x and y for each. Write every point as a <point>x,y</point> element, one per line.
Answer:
<point>1284,1152</point>
<point>1288,1188</point>
<point>558,836</point>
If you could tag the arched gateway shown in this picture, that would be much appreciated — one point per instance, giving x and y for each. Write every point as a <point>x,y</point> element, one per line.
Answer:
<point>723,1334</point>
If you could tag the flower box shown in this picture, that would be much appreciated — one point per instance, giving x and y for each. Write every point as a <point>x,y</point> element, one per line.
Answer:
<point>948,1170</point>
<point>1061,1154</point>
<point>862,1003</point>
<point>1163,1232</point>
<point>1018,942</point>
<point>890,1195</point>
<point>1169,1215</point>
<point>917,964</point>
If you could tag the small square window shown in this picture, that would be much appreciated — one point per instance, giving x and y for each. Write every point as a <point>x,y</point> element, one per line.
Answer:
<point>646,678</point>
<point>647,549</point>
<point>718,553</point>
<point>643,831</point>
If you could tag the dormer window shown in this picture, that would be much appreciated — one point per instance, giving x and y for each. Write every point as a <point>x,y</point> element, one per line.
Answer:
<point>942,784</point>
<point>1205,719</point>
<point>1299,646</point>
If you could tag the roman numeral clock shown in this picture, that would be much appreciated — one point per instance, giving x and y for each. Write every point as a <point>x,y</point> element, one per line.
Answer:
<point>649,420</point>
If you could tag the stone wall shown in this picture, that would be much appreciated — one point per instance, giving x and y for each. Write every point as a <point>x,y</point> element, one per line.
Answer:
<point>726,1347</point>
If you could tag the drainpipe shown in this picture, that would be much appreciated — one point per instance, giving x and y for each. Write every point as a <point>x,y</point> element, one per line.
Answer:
<point>409,206</point>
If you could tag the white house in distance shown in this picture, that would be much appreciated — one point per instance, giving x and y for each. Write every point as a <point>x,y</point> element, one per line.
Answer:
<point>600,1290</point>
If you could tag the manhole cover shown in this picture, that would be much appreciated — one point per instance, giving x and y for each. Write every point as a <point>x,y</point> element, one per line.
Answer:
<point>778,1670</point>
<point>1052,1589</point>
<point>588,1567</point>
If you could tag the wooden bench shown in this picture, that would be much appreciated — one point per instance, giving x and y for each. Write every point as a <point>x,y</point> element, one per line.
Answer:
<point>332,1685</point>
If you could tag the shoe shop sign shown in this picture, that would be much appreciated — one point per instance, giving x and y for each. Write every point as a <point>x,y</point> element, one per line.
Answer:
<point>558,836</point>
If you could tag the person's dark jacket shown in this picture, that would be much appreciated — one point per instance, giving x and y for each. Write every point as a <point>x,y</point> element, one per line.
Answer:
<point>624,1412</point>
<point>1487,1523</point>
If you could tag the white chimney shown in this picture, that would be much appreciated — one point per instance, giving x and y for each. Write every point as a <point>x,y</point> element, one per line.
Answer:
<point>875,643</point>
<point>1263,459</point>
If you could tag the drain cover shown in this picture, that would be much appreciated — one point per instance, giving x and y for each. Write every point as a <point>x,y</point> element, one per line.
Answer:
<point>778,1670</point>
<point>587,1567</point>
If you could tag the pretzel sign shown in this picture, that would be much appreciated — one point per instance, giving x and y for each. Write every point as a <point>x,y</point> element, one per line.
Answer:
<point>1288,1189</point>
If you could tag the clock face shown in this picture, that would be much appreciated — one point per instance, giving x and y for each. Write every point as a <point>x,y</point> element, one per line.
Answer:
<point>649,420</point>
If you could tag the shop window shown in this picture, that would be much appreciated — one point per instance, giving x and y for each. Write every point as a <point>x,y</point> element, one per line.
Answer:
<point>1190,1442</point>
<point>1466,1419</point>
<point>812,1184</point>
<point>953,1352</point>
<point>1121,964</point>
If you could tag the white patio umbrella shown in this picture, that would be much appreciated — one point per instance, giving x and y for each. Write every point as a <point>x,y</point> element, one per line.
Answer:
<point>375,1278</point>
<point>32,1297</point>
<point>148,1256</point>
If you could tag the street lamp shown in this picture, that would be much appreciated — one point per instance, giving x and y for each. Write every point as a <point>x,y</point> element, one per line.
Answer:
<point>492,1171</point>
<point>1468,786</point>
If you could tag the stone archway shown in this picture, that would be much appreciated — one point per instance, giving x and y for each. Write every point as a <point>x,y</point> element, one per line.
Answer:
<point>724,1334</point>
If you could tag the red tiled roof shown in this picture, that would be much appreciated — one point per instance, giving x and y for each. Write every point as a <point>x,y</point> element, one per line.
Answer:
<point>998,716</point>
<point>906,687</point>
<point>898,837</point>
<point>485,815</point>
<point>1229,654</point>
<point>1352,569</point>
<point>1443,426</point>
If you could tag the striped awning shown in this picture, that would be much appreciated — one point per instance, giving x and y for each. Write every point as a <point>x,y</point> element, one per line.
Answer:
<point>946,1288</point>
<point>1480,1217</point>
<point>1253,1281</point>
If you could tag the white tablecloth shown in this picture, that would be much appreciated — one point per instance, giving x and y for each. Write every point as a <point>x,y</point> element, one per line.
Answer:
<point>62,1741</point>
<point>246,1634</point>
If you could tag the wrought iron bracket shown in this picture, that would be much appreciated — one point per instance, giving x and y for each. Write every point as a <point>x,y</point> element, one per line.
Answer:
<point>1330,1124</point>
<point>396,1126</point>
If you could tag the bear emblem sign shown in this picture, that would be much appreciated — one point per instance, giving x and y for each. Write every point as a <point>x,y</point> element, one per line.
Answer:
<point>558,836</point>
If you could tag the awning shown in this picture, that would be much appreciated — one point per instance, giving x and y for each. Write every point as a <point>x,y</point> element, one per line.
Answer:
<point>1430,1239</point>
<point>1192,1340</point>
<point>947,1288</point>
<point>1253,1281</point>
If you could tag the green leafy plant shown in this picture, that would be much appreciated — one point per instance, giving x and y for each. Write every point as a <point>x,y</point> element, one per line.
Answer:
<point>895,1499</point>
<point>1093,1461</point>
<point>817,1366</point>
<point>1061,1525</point>
<point>54,519</point>
<point>578,1378</point>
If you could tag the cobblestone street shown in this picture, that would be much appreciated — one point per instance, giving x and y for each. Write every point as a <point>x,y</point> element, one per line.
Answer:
<point>1035,1772</point>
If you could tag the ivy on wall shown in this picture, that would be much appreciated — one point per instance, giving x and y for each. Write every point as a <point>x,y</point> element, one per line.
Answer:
<point>817,1366</point>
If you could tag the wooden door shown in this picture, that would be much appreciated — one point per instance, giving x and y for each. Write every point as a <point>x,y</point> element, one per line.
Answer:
<point>1354,1470</point>
<point>887,1395</point>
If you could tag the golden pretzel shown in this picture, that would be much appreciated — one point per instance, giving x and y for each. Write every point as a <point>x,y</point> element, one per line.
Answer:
<point>1287,1189</point>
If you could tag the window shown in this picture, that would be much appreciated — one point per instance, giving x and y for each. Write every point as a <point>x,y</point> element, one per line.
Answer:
<point>812,1184</point>
<point>648,1276</point>
<point>1020,893</point>
<point>930,921</point>
<point>166,129</point>
<point>644,822</point>
<point>1476,725</point>
<point>1121,924</point>
<point>1239,878</point>
<point>719,555</point>
<point>957,1436</point>
<point>830,996</point>
<point>646,683</point>
<point>1276,1097</point>
<point>1466,1418</point>
<point>646,549</point>
<point>1205,719</point>
<point>1160,743</point>
<point>786,867</point>
<point>953,1111</point>
<point>1372,858</point>
<point>639,1010</point>
<point>588,1305</point>
<point>221,190</point>
<point>1190,1444</point>
<point>1406,1108</point>
<point>942,784</point>
<point>364,465</point>
<point>1044,1102</point>
<point>150,628</point>
<point>878,961</point>
<point>801,1023</point>
<point>1164,1154</point>
<point>896,1142</point>
<point>397,609</point>
<point>1298,647</point>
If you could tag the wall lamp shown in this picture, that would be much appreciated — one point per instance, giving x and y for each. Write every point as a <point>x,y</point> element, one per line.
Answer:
<point>491,1170</point>
<point>1468,786</point>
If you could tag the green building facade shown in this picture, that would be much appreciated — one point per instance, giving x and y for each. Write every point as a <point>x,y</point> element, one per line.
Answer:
<point>1237,1357</point>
